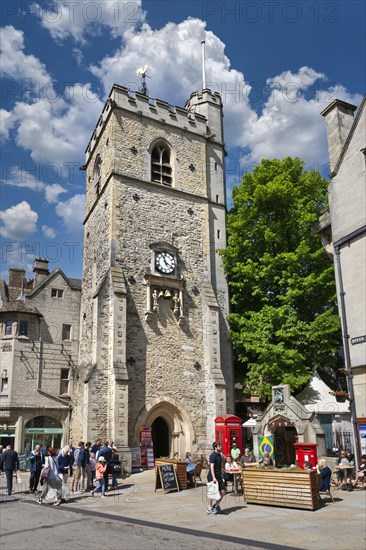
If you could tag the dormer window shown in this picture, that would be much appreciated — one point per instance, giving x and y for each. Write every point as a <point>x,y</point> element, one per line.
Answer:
<point>97,175</point>
<point>161,168</point>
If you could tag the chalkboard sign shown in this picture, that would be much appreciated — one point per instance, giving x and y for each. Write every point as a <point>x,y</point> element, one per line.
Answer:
<point>22,462</point>
<point>166,478</point>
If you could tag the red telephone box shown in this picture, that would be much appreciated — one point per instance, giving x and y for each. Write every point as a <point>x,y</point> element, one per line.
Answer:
<point>228,431</point>
<point>306,452</point>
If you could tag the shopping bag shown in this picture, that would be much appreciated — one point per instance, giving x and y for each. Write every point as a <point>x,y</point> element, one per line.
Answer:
<point>213,492</point>
<point>45,472</point>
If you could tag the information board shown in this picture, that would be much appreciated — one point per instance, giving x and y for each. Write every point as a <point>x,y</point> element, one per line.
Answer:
<point>166,478</point>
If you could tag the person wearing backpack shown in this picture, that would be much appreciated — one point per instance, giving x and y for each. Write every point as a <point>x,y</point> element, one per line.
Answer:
<point>78,466</point>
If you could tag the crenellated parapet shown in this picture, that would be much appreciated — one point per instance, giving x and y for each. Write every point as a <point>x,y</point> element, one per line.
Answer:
<point>185,119</point>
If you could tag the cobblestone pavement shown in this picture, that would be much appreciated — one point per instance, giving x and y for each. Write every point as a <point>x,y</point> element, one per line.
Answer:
<point>135,516</point>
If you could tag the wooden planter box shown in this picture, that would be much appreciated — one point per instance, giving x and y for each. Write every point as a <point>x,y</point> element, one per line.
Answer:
<point>292,489</point>
<point>179,467</point>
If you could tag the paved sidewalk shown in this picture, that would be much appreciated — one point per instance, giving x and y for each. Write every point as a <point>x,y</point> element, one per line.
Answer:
<point>335,526</point>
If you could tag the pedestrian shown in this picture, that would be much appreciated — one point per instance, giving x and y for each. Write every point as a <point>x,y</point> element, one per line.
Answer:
<point>71,453</point>
<point>97,445</point>
<point>9,463</point>
<point>52,487</point>
<point>78,466</point>
<point>215,474</point>
<point>92,464</point>
<point>87,477</point>
<point>235,452</point>
<point>101,468</point>
<point>106,453</point>
<point>36,461</point>
<point>247,457</point>
<point>115,467</point>
<point>63,463</point>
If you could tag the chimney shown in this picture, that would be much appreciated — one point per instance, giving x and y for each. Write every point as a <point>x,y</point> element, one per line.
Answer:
<point>16,282</point>
<point>339,119</point>
<point>40,270</point>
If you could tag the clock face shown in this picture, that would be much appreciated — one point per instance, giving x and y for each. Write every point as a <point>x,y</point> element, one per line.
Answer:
<point>164,262</point>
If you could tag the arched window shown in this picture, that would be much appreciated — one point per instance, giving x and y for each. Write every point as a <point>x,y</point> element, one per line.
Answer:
<point>161,169</point>
<point>97,174</point>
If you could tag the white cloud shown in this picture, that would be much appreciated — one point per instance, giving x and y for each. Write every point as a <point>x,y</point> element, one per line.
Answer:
<point>15,64</point>
<point>58,132</point>
<point>79,56</point>
<point>15,175</point>
<point>53,191</point>
<point>77,20</point>
<point>18,255</point>
<point>48,232</point>
<point>173,54</point>
<point>7,121</point>
<point>72,213</point>
<point>290,124</point>
<point>18,221</point>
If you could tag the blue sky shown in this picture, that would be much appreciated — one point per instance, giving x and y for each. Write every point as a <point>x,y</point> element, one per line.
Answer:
<point>277,64</point>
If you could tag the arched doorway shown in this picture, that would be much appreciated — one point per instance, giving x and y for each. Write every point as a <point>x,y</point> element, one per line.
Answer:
<point>160,437</point>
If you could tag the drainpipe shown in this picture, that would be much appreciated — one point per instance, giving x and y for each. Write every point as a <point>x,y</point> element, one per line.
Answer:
<point>347,356</point>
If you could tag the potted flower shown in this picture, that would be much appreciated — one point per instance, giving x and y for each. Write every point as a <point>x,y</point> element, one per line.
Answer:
<point>340,395</point>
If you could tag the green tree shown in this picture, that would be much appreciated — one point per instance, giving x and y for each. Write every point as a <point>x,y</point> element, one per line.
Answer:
<point>284,320</point>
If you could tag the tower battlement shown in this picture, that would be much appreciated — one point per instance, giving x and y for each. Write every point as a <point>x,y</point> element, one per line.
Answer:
<point>158,110</point>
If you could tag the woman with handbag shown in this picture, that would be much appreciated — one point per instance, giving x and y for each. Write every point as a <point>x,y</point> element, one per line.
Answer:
<point>52,487</point>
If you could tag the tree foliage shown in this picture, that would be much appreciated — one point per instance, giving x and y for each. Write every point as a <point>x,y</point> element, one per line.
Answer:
<point>284,320</point>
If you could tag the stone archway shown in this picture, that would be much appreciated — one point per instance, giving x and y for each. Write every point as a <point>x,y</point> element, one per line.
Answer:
<point>180,429</point>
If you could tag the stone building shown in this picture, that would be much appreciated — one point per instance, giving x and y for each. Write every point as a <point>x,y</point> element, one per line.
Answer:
<point>39,342</point>
<point>154,342</point>
<point>343,232</point>
<point>286,421</point>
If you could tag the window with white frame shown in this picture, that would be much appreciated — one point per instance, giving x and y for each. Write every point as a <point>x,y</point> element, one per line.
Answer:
<point>57,293</point>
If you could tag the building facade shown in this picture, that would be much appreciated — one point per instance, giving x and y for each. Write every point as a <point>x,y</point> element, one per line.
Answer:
<point>343,230</point>
<point>154,341</point>
<point>39,342</point>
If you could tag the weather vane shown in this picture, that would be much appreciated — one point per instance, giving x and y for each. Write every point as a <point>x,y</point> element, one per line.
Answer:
<point>142,72</point>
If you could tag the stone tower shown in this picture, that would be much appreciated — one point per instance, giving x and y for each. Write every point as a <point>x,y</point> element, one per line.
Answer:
<point>154,344</point>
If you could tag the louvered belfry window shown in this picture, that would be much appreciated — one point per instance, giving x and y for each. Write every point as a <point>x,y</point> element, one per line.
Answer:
<point>161,170</point>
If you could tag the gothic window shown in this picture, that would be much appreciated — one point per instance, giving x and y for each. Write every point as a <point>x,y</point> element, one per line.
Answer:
<point>97,175</point>
<point>161,168</point>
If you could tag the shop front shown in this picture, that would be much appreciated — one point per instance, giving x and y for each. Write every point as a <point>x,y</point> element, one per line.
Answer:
<point>43,430</point>
<point>7,437</point>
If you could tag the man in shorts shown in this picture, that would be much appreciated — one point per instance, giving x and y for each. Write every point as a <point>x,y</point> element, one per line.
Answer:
<point>215,474</point>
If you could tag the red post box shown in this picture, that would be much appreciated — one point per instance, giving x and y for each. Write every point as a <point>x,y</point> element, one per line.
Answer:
<point>228,430</point>
<point>306,452</point>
